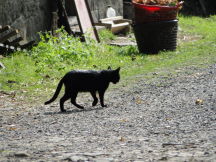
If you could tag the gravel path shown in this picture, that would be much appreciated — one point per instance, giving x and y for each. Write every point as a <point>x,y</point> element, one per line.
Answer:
<point>170,118</point>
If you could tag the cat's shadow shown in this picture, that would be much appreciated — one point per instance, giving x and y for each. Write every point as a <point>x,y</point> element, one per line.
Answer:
<point>74,111</point>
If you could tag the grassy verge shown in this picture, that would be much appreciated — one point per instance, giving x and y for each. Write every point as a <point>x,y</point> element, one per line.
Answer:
<point>35,74</point>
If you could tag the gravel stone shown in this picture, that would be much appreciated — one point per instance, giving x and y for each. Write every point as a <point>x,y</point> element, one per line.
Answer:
<point>157,119</point>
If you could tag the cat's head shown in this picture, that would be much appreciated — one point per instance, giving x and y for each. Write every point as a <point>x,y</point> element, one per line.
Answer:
<point>115,76</point>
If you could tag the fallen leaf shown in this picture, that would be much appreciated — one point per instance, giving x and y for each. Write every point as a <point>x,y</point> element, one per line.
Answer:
<point>199,102</point>
<point>138,100</point>
<point>123,120</point>
<point>122,139</point>
<point>12,128</point>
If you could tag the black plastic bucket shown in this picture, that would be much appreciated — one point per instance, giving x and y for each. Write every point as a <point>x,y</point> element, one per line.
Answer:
<point>154,37</point>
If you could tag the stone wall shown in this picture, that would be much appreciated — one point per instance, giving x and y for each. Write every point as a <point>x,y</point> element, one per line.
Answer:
<point>29,16</point>
<point>33,16</point>
<point>98,8</point>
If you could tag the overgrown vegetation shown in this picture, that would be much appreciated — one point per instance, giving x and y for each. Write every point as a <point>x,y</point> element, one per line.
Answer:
<point>36,72</point>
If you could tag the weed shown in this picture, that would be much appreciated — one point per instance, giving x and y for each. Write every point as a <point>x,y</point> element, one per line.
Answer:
<point>37,71</point>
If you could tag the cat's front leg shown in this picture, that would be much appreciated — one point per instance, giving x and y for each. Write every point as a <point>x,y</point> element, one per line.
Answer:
<point>93,93</point>
<point>101,96</point>
<point>73,100</point>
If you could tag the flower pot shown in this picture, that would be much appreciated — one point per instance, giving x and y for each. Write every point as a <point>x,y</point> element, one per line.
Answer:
<point>153,37</point>
<point>151,13</point>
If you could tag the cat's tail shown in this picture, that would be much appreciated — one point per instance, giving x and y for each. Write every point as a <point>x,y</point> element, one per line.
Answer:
<point>58,89</point>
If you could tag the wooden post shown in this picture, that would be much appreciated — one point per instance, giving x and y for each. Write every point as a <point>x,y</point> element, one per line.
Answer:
<point>63,19</point>
<point>54,26</point>
<point>85,19</point>
<point>203,7</point>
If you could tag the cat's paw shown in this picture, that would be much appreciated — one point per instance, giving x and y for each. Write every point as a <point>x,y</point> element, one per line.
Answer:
<point>63,110</point>
<point>94,103</point>
<point>80,107</point>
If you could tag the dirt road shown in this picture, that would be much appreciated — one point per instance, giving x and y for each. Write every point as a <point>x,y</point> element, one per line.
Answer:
<point>170,118</point>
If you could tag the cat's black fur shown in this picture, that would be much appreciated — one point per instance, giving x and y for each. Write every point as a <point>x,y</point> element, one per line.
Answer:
<point>85,81</point>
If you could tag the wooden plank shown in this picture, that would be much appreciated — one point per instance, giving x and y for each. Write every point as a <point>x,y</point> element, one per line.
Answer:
<point>8,35</point>
<point>107,26</point>
<point>7,48</point>
<point>14,42</point>
<point>1,45</point>
<point>27,45</point>
<point>85,19</point>
<point>202,3</point>
<point>4,28</point>
<point>2,49</point>
<point>2,65</point>
<point>54,25</point>
<point>111,19</point>
<point>63,17</point>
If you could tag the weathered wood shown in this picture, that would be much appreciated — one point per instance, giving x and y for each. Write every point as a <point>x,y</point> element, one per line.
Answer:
<point>85,19</point>
<point>54,25</point>
<point>8,35</point>
<point>63,19</point>
<point>14,42</point>
<point>106,26</point>
<point>2,65</point>
<point>1,45</point>
<point>117,24</point>
<point>203,7</point>
<point>2,49</point>
<point>4,28</point>
<point>9,44</point>
<point>27,45</point>
<point>111,19</point>
<point>7,48</point>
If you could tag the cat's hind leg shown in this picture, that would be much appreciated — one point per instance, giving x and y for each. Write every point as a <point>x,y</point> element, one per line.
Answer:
<point>93,93</point>
<point>73,100</point>
<point>62,101</point>
<point>101,96</point>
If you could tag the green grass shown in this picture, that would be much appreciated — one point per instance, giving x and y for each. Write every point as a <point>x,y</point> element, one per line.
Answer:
<point>37,72</point>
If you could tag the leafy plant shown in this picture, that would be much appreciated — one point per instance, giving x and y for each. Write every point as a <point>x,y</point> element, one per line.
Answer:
<point>36,72</point>
<point>60,51</point>
<point>106,35</point>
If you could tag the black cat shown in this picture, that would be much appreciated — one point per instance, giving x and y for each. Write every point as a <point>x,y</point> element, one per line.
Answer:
<point>85,81</point>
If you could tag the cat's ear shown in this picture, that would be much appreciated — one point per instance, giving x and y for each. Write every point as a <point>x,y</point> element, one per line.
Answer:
<point>118,69</point>
<point>109,68</point>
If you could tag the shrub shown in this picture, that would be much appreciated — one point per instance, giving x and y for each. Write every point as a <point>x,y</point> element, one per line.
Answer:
<point>59,51</point>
